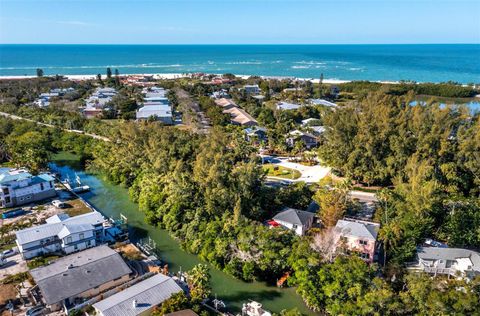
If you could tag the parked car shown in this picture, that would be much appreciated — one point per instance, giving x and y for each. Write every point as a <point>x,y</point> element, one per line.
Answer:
<point>2,261</point>
<point>59,204</point>
<point>35,311</point>
<point>9,253</point>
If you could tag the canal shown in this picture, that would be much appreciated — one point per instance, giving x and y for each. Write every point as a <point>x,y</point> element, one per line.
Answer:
<point>113,200</point>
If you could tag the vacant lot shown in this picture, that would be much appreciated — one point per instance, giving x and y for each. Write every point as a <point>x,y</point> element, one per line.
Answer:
<point>281,172</point>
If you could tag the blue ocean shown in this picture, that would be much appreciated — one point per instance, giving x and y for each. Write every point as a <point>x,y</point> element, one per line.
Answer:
<point>421,63</point>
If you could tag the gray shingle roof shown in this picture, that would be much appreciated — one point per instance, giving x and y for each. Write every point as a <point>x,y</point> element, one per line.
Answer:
<point>358,229</point>
<point>294,216</point>
<point>434,253</point>
<point>147,293</point>
<point>35,233</point>
<point>79,272</point>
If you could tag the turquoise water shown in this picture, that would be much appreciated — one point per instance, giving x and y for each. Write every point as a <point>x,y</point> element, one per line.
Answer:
<point>432,63</point>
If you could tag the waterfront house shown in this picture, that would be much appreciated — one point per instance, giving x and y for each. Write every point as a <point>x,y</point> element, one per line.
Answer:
<point>297,220</point>
<point>139,299</point>
<point>72,279</point>
<point>61,234</point>
<point>18,186</point>
<point>455,262</point>
<point>296,136</point>
<point>358,236</point>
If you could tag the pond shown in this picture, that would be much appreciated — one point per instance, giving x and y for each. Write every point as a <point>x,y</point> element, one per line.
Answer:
<point>113,200</point>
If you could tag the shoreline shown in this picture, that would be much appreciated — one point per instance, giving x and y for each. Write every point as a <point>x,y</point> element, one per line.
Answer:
<point>182,75</point>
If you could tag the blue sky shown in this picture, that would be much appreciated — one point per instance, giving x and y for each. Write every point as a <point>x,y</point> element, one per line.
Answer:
<point>239,21</point>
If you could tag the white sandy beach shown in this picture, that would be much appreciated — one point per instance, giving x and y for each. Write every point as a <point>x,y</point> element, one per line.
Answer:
<point>180,75</point>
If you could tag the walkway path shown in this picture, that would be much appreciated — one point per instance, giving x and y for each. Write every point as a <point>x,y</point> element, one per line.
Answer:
<point>15,117</point>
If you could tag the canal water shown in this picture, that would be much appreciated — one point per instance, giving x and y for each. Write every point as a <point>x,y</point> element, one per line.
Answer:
<point>113,200</point>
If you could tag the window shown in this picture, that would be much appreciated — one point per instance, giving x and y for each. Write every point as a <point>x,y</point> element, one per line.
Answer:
<point>81,236</point>
<point>363,242</point>
<point>51,185</point>
<point>21,199</point>
<point>41,186</point>
<point>75,247</point>
<point>365,255</point>
<point>89,243</point>
<point>5,191</point>
<point>69,240</point>
<point>7,200</point>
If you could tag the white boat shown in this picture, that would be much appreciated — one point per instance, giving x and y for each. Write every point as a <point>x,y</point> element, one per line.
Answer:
<point>254,309</point>
<point>78,187</point>
<point>81,188</point>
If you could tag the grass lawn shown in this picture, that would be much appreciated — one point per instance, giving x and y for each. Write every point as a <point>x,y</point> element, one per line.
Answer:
<point>76,207</point>
<point>281,172</point>
<point>40,261</point>
<point>7,246</point>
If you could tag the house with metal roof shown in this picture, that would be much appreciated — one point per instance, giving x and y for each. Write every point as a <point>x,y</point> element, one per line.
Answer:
<point>456,262</point>
<point>72,279</point>
<point>140,298</point>
<point>297,220</point>
<point>288,106</point>
<point>18,187</point>
<point>160,112</point>
<point>62,234</point>
<point>358,236</point>
<point>323,102</point>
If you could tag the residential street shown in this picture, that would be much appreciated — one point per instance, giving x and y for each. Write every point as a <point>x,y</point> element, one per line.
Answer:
<point>15,117</point>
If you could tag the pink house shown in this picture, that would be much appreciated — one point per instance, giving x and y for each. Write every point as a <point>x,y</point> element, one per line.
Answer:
<point>358,236</point>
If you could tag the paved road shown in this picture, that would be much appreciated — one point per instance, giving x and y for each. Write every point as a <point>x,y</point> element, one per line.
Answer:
<point>15,117</point>
<point>200,122</point>
<point>14,265</point>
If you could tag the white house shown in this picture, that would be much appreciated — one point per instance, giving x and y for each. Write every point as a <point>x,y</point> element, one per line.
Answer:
<point>161,112</point>
<point>297,220</point>
<point>61,233</point>
<point>449,261</point>
<point>18,186</point>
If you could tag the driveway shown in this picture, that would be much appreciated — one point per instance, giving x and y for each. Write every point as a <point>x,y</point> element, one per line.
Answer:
<point>14,265</point>
<point>309,174</point>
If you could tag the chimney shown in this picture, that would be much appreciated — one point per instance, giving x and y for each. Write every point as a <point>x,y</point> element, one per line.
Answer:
<point>134,303</point>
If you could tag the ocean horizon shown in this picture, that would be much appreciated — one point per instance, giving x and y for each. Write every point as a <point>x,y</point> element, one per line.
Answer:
<point>374,62</point>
